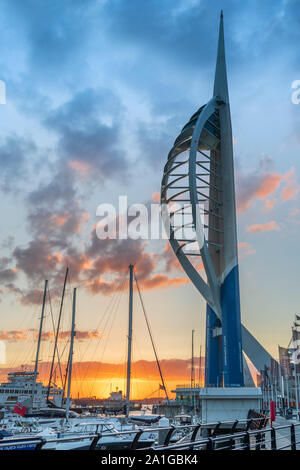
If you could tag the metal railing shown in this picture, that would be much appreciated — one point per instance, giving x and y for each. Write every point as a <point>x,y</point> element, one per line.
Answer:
<point>260,438</point>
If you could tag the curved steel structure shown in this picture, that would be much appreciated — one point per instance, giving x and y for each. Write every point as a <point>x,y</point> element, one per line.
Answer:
<point>199,214</point>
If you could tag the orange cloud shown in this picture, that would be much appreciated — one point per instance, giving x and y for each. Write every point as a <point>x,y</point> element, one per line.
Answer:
<point>82,221</point>
<point>80,167</point>
<point>155,197</point>
<point>269,205</point>
<point>267,227</point>
<point>261,183</point>
<point>290,191</point>
<point>265,186</point>
<point>269,184</point>
<point>80,335</point>
<point>162,281</point>
<point>170,258</point>
<point>30,335</point>
<point>157,281</point>
<point>14,335</point>
<point>245,249</point>
<point>59,220</point>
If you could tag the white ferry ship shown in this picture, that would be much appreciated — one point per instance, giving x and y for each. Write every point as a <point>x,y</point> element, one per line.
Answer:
<point>20,388</point>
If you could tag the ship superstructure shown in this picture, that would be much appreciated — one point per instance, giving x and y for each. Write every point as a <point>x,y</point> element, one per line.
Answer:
<point>22,386</point>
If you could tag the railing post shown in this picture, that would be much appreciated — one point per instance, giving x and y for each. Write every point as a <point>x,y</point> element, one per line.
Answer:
<point>231,440</point>
<point>95,442</point>
<point>135,440</point>
<point>249,422</point>
<point>258,439</point>
<point>40,444</point>
<point>293,438</point>
<point>273,439</point>
<point>193,437</point>
<point>234,425</point>
<point>247,441</point>
<point>214,432</point>
<point>210,444</point>
<point>169,435</point>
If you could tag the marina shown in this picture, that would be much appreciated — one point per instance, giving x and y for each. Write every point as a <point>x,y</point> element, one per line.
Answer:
<point>139,342</point>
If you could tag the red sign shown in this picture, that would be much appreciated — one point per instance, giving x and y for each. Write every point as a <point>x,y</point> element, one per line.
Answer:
<point>20,409</point>
<point>272,411</point>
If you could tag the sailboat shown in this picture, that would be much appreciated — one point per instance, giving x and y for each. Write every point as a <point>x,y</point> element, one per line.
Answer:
<point>24,388</point>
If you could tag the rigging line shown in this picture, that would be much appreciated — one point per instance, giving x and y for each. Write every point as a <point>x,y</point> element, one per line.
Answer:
<point>112,301</point>
<point>109,314</point>
<point>65,346</point>
<point>66,375</point>
<point>152,393</point>
<point>15,359</point>
<point>106,312</point>
<point>135,359</point>
<point>112,323</point>
<point>135,340</point>
<point>151,337</point>
<point>111,326</point>
<point>55,349</point>
<point>115,300</point>
<point>124,364</point>
<point>50,304</point>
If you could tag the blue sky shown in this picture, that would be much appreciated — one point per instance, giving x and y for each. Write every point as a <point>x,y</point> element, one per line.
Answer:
<point>97,91</point>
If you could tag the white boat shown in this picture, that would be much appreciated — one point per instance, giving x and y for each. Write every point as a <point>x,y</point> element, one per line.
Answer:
<point>78,428</point>
<point>22,386</point>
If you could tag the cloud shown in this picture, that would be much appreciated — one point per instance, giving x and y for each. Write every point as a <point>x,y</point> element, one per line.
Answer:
<point>100,265</point>
<point>8,275</point>
<point>171,30</point>
<point>171,261</point>
<point>262,183</point>
<point>163,281</point>
<point>269,205</point>
<point>81,335</point>
<point>245,249</point>
<point>54,34</point>
<point>88,127</point>
<point>14,335</point>
<point>257,184</point>
<point>14,155</point>
<point>31,334</point>
<point>291,189</point>
<point>36,259</point>
<point>294,212</point>
<point>89,148</point>
<point>267,227</point>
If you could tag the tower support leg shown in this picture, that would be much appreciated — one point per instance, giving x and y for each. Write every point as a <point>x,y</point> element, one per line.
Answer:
<point>231,331</point>
<point>213,351</point>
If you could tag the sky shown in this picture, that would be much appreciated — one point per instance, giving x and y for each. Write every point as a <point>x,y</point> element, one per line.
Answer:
<point>96,93</point>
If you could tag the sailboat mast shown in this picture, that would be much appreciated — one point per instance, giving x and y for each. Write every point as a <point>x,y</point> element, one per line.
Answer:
<point>129,340</point>
<point>39,342</point>
<point>57,332</point>
<point>200,363</point>
<point>192,364</point>
<point>193,374</point>
<point>71,354</point>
